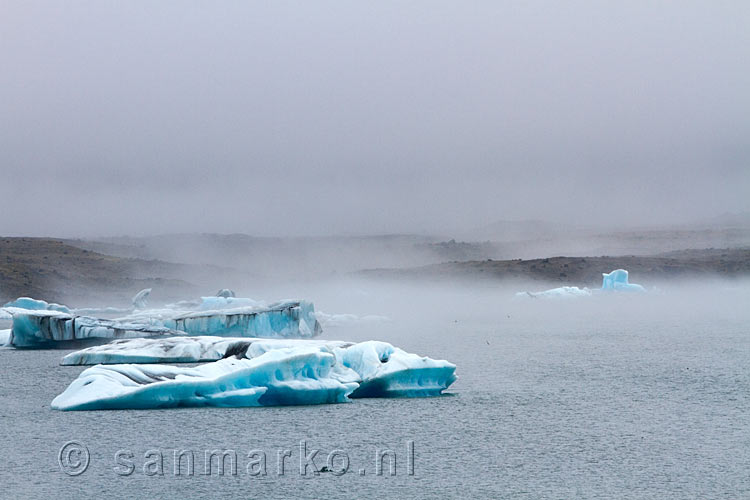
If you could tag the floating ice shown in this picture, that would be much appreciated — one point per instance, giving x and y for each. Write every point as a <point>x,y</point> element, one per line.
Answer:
<point>35,329</point>
<point>4,337</point>
<point>183,349</point>
<point>292,318</point>
<point>226,293</point>
<point>141,298</point>
<point>266,373</point>
<point>221,302</point>
<point>618,280</point>
<point>36,305</point>
<point>347,319</point>
<point>289,319</point>
<point>561,292</point>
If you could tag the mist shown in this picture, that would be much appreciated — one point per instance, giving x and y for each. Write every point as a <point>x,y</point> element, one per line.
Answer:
<point>293,119</point>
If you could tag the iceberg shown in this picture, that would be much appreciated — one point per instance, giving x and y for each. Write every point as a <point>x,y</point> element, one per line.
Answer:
<point>226,293</point>
<point>141,298</point>
<point>561,292</point>
<point>333,320</point>
<point>183,349</point>
<point>264,373</point>
<point>35,305</point>
<point>220,302</point>
<point>4,337</point>
<point>618,280</point>
<point>291,318</point>
<point>279,377</point>
<point>43,328</point>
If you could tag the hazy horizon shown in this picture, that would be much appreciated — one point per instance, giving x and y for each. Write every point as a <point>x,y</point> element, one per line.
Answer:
<point>293,118</point>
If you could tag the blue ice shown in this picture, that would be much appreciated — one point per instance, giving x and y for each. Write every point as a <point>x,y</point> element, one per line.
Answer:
<point>266,373</point>
<point>618,280</point>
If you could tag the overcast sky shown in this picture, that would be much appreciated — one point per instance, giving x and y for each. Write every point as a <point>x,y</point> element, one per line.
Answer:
<point>276,118</point>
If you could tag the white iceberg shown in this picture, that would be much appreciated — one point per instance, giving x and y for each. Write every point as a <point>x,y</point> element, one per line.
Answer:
<point>140,299</point>
<point>334,320</point>
<point>618,280</point>
<point>561,292</point>
<point>4,337</point>
<point>183,349</point>
<point>267,373</point>
<point>221,302</point>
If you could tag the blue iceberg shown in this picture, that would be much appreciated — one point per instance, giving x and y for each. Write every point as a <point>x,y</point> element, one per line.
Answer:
<point>618,280</point>
<point>292,318</point>
<point>258,373</point>
<point>44,328</point>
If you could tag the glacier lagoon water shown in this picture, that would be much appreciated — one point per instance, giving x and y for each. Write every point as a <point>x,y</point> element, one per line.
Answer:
<point>638,397</point>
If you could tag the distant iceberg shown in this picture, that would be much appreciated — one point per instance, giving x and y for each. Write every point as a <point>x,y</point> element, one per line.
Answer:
<point>618,280</point>
<point>265,373</point>
<point>561,292</point>
<point>326,319</point>
<point>140,299</point>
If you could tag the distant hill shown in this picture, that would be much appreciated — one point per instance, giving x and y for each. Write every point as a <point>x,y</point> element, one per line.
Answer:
<point>55,271</point>
<point>587,270</point>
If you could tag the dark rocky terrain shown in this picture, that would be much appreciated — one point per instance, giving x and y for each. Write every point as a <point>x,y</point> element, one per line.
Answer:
<point>727,263</point>
<point>55,271</point>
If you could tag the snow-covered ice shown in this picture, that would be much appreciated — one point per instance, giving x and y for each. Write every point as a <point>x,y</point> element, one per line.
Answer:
<point>221,302</point>
<point>182,349</point>
<point>266,373</point>
<point>35,305</point>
